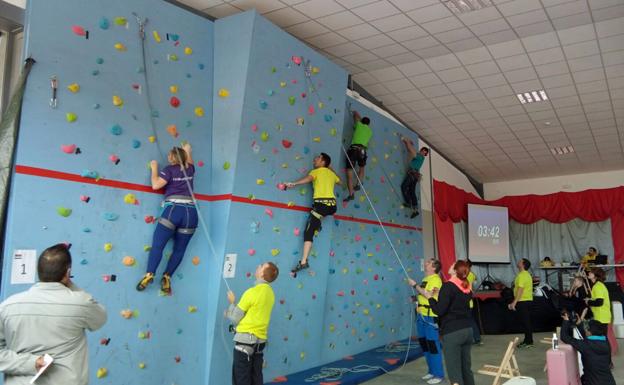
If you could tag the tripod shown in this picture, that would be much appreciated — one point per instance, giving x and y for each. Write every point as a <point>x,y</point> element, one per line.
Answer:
<point>488,278</point>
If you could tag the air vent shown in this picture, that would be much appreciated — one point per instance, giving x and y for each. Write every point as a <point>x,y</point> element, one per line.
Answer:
<point>465,6</point>
<point>532,96</point>
<point>562,150</point>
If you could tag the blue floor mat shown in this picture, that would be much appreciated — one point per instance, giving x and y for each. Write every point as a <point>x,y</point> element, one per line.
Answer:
<point>389,357</point>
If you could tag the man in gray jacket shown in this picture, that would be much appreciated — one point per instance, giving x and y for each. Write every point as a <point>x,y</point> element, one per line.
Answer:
<point>50,317</point>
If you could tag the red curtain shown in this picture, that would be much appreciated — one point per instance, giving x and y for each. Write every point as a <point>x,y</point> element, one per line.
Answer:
<point>451,205</point>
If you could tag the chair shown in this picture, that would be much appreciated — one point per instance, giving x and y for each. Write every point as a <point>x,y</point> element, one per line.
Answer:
<point>508,367</point>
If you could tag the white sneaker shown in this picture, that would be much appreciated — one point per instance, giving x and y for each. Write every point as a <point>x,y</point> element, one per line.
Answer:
<point>427,376</point>
<point>434,380</point>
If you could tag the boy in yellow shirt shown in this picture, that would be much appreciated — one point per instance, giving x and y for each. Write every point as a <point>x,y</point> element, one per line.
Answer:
<point>323,180</point>
<point>251,317</point>
<point>523,300</point>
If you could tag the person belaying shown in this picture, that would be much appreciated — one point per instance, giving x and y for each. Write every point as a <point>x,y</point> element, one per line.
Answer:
<point>412,176</point>
<point>178,219</point>
<point>356,154</point>
<point>323,180</point>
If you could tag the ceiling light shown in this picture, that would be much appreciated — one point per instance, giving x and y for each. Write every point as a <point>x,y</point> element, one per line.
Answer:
<point>562,150</point>
<point>532,96</point>
<point>464,6</point>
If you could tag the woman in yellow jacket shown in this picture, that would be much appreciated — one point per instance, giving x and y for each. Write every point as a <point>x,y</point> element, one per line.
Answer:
<point>599,302</point>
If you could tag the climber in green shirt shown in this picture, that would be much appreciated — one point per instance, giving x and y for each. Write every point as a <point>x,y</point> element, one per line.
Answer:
<point>356,154</point>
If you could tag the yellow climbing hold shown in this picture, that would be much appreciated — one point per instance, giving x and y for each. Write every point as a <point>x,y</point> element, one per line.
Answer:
<point>332,328</point>
<point>188,50</point>
<point>117,101</point>
<point>315,70</point>
<point>333,131</point>
<point>284,165</point>
<point>141,365</point>
<point>172,57</point>
<point>130,199</point>
<point>151,138</point>
<point>226,165</point>
<point>259,182</point>
<point>264,136</point>
<point>275,252</point>
<point>317,139</point>
<point>192,309</point>
<point>128,261</point>
<point>74,87</point>
<point>224,93</point>
<point>108,247</point>
<point>321,104</point>
<point>156,36</point>
<point>120,47</point>
<point>147,247</point>
<point>126,313</point>
<point>71,117</point>
<point>290,204</point>
<point>302,355</point>
<point>101,373</point>
<point>282,84</point>
<point>120,20</point>
<point>173,89</point>
<point>199,111</point>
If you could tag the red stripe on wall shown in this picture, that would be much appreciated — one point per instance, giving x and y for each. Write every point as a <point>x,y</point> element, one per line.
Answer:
<point>59,175</point>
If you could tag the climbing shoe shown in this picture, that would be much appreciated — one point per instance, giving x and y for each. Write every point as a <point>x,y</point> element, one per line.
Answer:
<point>165,284</point>
<point>356,187</point>
<point>146,280</point>
<point>300,266</point>
<point>349,198</point>
<point>414,214</point>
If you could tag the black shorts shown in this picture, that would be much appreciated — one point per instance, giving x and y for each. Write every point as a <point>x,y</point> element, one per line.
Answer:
<point>357,155</point>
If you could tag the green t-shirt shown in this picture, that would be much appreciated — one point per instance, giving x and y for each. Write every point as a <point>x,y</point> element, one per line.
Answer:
<point>601,313</point>
<point>361,134</point>
<point>525,281</point>
<point>417,162</point>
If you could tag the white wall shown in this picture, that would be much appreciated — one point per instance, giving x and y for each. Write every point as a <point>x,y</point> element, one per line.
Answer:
<point>542,186</point>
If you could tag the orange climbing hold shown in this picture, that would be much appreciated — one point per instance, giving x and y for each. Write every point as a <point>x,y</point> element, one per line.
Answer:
<point>280,379</point>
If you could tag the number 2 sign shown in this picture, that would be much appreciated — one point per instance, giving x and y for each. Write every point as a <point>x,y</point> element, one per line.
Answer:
<point>229,266</point>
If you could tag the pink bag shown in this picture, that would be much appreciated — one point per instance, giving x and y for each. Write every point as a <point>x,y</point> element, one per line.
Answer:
<point>562,366</point>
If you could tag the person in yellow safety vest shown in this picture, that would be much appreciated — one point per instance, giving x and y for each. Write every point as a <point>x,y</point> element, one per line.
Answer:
<point>426,321</point>
<point>476,332</point>
<point>599,302</point>
<point>523,301</point>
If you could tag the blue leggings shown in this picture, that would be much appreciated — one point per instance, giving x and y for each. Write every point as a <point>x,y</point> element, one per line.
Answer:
<point>178,221</point>
<point>429,339</point>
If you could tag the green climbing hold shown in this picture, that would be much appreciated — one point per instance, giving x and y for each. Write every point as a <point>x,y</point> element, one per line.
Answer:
<point>291,100</point>
<point>64,211</point>
<point>226,165</point>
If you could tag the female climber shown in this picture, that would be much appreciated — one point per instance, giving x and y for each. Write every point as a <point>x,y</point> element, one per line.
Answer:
<point>179,217</point>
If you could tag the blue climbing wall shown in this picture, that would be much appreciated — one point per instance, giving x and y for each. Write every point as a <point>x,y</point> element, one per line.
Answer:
<point>163,331</point>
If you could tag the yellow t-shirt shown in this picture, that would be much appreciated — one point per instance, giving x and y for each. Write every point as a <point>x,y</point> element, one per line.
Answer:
<point>323,182</point>
<point>429,282</point>
<point>601,313</point>
<point>471,278</point>
<point>257,303</point>
<point>525,281</point>
<point>588,259</point>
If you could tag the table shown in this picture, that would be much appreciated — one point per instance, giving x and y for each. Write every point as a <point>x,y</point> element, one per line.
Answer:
<point>548,271</point>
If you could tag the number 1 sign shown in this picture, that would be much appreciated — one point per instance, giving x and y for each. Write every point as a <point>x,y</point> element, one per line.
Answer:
<point>24,267</point>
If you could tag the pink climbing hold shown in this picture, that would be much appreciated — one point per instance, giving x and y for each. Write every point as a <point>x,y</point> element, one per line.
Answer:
<point>382,179</point>
<point>68,148</point>
<point>341,293</point>
<point>78,30</point>
<point>332,253</point>
<point>376,277</point>
<point>85,198</point>
<point>114,158</point>
<point>358,238</point>
<point>254,127</point>
<point>200,163</point>
<point>296,60</point>
<point>248,274</point>
<point>281,186</point>
<point>303,94</point>
<point>294,81</point>
<point>175,102</point>
<point>251,252</point>
<point>269,212</point>
<point>377,247</point>
<point>352,292</point>
<point>286,143</point>
<point>311,110</point>
<point>296,231</point>
<point>149,219</point>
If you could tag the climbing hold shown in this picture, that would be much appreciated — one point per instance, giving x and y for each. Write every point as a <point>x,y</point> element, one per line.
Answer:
<point>149,219</point>
<point>251,252</point>
<point>126,313</point>
<point>192,309</point>
<point>114,158</point>
<point>68,148</point>
<point>201,66</point>
<point>99,60</point>
<point>78,30</point>
<point>195,260</point>
<point>172,130</point>
<point>315,70</point>
<point>328,118</point>
<point>270,92</point>
<point>64,211</point>
<point>332,253</point>
<point>141,365</point>
<point>95,72</point>
<point>286,143</point>
<point>226,165</point>
<point>172,57</point>
<point>296,231</point>
<point>333,131</point>
<point>110,216</point>
<point>108,247</point>
<point>71,117</point>
<point>144,335</point>
<point>156,36</point>
<point>281,186</point>
<point>96,106</point>
<point>275,252</point>
<point>259,182</point>
<point>269,212</point>
<point>151,138</point>
<point>136,143</point>
<point>263,105</point>
<point>254,127</point>
<point>120,47</point>
<point>73,88</point>
<point>116,130</point>
<point>255,227</point>
<point>175,102</point>
<point>101,373</point>
<point>310,110</point>
<point>282,84</point>
<point>105,341</point>
<point>177,359</point>
<point>117,101</point>
<point>300,121</point>
<point>200,163</point>
<point>264,136</point>
<point>104,23</point>
<point>291,100</point>
<point>199,111</point>
<point>188,50</point>
<point>296,60</point>
<point>85,198</point>
<point>131,199</point>
<point>294,81</point>
<point>173,89</point>
<point>119,20</point>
